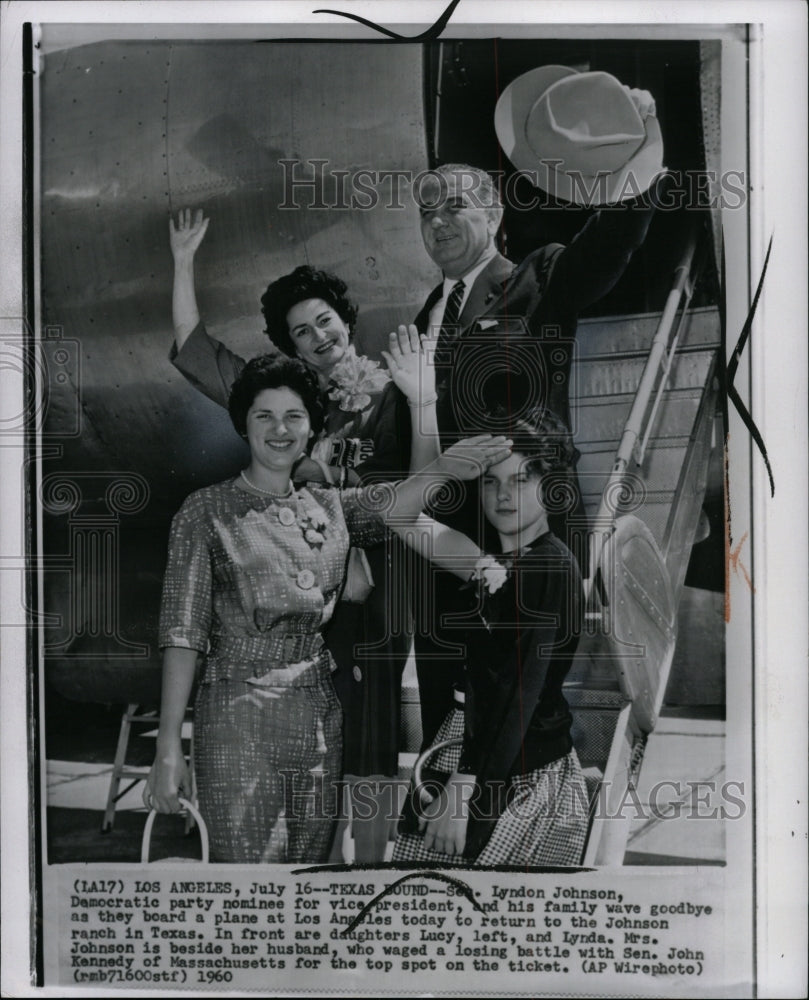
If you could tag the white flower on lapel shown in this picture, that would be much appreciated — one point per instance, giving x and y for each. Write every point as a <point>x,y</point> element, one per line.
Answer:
<point>492,573</point>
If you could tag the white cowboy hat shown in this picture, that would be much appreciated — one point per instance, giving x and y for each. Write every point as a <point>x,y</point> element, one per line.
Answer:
<point>578,135</point>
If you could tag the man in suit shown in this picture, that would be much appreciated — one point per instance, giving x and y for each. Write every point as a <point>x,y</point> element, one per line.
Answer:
<point>484,297</point>
<point>505,339</point>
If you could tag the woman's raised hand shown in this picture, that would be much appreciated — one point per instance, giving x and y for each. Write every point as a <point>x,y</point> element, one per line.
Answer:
<point>409,366</point>
<point>469,458</point>
<point>187,234</point>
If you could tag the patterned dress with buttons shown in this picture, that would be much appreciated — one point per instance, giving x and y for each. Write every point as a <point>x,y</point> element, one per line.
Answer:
<point>370,642</point>
<point>250,583</point>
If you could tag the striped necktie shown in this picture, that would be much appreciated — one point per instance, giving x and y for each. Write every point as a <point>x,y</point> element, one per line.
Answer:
<point>449,325</point>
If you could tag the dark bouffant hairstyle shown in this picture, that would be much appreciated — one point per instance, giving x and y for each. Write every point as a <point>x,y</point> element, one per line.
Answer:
<point>544,439</point>
<point>538,435</point>
<point>303,283</point>
<point>272,372</point>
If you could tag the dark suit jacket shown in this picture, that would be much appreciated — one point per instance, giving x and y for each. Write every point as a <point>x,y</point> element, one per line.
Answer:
<point>531,311</point>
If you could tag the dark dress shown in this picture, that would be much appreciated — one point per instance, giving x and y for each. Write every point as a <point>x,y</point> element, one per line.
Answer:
<point>530,803</point>
<point>247,589</point>
<point>369,642</point>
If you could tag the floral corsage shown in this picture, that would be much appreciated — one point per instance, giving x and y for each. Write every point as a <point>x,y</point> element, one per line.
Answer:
<point>489,576</point>
<point>311,520</point>
<point>490,573</point>
<point>354,379</point>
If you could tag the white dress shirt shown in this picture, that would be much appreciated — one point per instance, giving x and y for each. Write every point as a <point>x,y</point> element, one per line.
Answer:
<point>437,312</point>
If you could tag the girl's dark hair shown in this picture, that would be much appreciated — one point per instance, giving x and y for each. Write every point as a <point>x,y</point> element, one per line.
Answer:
<point>268,371</point>
<point>303,283</point>
<point>543,438</point>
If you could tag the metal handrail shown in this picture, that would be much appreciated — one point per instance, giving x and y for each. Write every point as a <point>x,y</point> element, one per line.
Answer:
<point>637,428</point>
<point>687,293</point>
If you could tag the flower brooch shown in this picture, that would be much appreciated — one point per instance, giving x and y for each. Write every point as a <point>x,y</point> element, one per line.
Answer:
<point>491,574</point>
<point>311,521</point>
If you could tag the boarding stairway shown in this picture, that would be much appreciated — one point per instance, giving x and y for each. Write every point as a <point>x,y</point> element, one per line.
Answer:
<point>644,397</point>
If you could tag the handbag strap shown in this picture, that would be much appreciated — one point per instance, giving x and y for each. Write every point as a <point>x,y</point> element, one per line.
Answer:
<point>203,832</point>
<point>421,760</point>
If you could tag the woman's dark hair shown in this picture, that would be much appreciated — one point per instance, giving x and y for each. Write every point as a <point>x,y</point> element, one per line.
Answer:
<point>268,371</point>
<point>303,283</point>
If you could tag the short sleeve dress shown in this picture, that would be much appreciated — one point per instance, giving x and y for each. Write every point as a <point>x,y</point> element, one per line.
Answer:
<point>370,642</point>
<point>250,583</point>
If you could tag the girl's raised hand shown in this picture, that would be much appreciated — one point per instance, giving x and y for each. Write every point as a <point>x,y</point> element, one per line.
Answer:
<point>471,457</point>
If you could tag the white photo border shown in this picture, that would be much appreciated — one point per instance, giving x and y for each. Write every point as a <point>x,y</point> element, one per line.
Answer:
<point>775,391</point>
